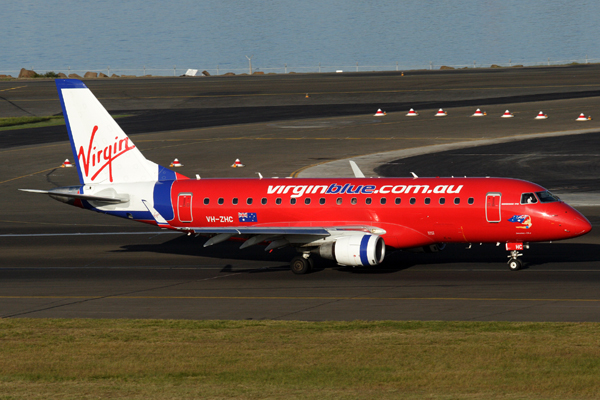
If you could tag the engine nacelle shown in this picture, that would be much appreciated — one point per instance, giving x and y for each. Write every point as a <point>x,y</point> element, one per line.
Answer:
<point>355,250</point>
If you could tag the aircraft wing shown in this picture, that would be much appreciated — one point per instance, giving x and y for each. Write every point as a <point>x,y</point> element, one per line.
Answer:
<point>278,236</point>
<point>251,230</point>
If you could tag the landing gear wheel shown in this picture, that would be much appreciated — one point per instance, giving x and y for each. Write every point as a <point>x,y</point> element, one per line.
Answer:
<point>515,264</point>
<point>301,265</point>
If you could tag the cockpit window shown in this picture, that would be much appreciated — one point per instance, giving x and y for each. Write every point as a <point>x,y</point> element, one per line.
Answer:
<point>546,197</point>
<point>528,198</point>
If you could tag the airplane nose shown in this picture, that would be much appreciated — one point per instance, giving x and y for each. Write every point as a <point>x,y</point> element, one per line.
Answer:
<point>582,225</point>
<point>577,224</point>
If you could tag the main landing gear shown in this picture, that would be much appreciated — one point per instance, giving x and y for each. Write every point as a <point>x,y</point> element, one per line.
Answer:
<point>514,263</point>
<point>301,265</point>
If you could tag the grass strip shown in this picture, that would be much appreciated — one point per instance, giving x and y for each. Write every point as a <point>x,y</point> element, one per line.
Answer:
<point>156,359</point>
<point>30,122</point>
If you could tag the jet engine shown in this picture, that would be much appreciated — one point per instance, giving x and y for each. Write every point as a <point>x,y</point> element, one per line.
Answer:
<point>355,250</point>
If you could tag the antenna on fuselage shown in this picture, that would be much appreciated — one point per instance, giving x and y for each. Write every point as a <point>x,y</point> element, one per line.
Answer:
<point>259,175</point>
<point>414,175</point>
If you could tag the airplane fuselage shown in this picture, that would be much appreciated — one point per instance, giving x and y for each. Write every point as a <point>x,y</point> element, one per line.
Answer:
<point>412,212</point>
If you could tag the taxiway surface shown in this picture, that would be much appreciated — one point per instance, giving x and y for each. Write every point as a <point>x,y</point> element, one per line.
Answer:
<point>59,261</point>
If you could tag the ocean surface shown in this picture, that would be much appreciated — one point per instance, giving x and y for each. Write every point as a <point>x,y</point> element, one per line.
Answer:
<point>168,37</point>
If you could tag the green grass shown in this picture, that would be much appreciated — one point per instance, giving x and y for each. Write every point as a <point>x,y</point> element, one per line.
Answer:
<point>13,123</point>
<point>30,122</point>
<point>158,359</point>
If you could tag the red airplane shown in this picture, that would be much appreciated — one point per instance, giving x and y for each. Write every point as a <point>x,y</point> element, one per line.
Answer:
<point>351,221</point>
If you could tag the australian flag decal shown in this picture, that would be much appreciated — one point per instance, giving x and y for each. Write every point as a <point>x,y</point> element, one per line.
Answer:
<point>247,217</point>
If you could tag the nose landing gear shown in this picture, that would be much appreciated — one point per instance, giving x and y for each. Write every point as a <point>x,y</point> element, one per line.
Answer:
<point>514,263</point>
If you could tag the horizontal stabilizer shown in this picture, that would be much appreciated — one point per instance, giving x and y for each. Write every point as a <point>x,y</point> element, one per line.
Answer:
<point>53,193</point>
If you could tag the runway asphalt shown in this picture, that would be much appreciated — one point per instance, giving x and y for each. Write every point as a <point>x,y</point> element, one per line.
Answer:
<point>59,261</point>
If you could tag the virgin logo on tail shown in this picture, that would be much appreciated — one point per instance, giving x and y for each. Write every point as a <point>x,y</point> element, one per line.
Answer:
<point>102,158</point>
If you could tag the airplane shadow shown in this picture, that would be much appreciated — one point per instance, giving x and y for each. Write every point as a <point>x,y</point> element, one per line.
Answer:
<point>558,254</point>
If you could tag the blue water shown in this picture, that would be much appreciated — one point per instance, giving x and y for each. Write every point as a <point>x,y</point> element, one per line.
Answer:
<point>129,35</point>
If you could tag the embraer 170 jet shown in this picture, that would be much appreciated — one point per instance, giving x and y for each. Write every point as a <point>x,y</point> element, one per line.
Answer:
<point>351,221</point>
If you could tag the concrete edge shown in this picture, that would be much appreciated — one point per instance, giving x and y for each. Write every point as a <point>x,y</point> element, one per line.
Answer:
<point>368,163</point>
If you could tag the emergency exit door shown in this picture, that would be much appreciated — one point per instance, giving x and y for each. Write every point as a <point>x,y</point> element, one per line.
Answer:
<point>492,207</point>
<point>184,207</point>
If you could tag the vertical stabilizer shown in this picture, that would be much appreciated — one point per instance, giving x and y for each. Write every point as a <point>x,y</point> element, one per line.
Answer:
<point>104,154</point>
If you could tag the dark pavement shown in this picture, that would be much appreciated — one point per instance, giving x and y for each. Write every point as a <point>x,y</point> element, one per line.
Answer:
<point>270,124</point>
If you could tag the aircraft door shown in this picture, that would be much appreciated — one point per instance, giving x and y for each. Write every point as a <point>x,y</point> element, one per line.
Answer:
<point>492,207</point>
<point>184,207</point>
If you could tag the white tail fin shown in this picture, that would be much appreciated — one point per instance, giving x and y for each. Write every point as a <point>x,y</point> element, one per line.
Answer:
<point>103,152</point>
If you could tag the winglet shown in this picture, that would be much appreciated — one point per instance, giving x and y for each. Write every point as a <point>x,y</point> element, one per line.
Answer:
<point>357,172</point>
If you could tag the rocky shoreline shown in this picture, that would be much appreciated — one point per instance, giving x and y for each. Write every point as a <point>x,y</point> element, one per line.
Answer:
<point>30,74</point>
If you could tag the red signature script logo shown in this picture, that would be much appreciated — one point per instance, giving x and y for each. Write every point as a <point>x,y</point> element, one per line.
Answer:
<point>104,157</point>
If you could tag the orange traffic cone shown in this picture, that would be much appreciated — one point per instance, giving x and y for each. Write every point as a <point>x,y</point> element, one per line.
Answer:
<point>379,113</point>
<point>67,164</point>
<point>412,113</point>
<point>237,164</point>
<point>441,113</point>
<point>176,163</point>
<point>541,115</point>
<point>507,114</point>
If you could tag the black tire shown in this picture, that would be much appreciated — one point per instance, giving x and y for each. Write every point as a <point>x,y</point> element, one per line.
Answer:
<point>515,264</point>
<point>300,265</point>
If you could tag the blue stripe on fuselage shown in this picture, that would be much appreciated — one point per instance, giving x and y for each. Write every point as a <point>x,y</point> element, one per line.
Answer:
<point>162,199</point>
<point>364,243</point>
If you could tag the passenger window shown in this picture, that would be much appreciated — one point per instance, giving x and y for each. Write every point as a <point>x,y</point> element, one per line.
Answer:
<point>528,198</point>
<point>353,200</point>
<point>397,200</point>
<point>249,200</point>
<point>293,200</point>
<point>471,200</point>
<point>206,200</point>
<point>220,201</point>
<point>382,200</point>
<point>427,200</point>
<point>234,201</point>
<point>263,200</point>
<point>442,200</point>
<point>413,200</point>
<point>307,200</point>
<point>338,201</point>
<point>368,200</point>
<point>457,200</point>
<point>278,200</point>
<point>322,200</point>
